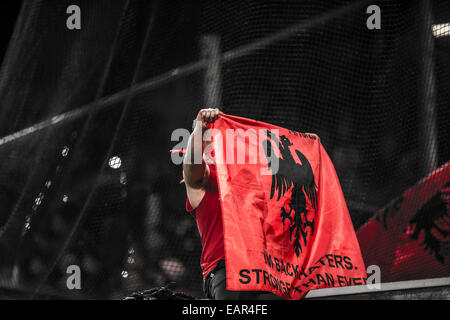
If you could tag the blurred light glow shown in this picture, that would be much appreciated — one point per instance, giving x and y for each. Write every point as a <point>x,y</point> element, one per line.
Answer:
<point>123,178</point>
<point>65,151</point>
<point>39,199</point>
<point>173,268</point>
<point>115,162</point>
<point>441,30</point>
<point>27,225</point>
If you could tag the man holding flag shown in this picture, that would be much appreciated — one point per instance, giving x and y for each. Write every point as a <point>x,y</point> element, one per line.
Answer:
<point>269,209</point>
<point>203,202</point>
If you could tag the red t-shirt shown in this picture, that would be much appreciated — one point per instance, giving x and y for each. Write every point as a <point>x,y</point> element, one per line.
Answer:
<point>208,215</point>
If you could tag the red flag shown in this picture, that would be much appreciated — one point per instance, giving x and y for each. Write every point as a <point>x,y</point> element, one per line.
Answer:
<point>287,229</point>
<point>409,238</point>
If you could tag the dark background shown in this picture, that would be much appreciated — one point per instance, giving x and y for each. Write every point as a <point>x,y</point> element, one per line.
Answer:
<point>362,91</point>
<point>10,10</point>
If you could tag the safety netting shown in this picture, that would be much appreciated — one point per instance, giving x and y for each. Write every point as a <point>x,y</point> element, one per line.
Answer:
<point>86,117</point>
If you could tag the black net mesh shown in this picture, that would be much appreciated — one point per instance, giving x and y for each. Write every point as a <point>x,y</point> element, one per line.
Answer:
<point>86,118</point>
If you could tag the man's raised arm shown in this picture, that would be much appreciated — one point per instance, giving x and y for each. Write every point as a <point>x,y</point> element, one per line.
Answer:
<point>195,170</point>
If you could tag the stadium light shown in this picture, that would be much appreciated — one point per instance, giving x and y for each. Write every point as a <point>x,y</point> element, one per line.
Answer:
<point>441,30</point>
<point>115,162</point>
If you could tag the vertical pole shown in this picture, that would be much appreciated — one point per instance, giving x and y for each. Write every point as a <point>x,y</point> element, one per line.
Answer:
<point>210,51</point>
<point>427,103</point>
